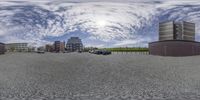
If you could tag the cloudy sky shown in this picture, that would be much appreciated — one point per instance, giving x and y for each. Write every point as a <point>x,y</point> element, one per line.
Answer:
<point>101,23</point>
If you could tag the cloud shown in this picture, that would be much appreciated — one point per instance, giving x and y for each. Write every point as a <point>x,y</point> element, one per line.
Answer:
<point>117,22</point>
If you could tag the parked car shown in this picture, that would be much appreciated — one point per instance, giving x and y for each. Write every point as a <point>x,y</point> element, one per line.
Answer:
<point>102,52</point>
<point>105,52</point>
<point>98,52</point>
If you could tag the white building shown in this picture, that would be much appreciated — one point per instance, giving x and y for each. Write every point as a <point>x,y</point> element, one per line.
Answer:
<point>17,47</point>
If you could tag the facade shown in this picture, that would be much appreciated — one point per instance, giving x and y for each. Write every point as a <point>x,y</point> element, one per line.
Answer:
<point>41,48</point>
<point>17,47</point>
<point>175,39</point>
<point>174,48</point>
<point>188,31</point>
<point>59,46</point>
<point>31,49</point>
<point>74,44</point>
<point>176,31</point>
<point>2,48</point>
<point>49,48</point>
<point>166,31</point>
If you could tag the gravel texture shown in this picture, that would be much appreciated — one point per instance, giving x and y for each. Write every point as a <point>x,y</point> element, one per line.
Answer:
<point>84,76</point>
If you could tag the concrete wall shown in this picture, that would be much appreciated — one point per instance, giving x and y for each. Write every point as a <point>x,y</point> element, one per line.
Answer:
<point>174,48</point>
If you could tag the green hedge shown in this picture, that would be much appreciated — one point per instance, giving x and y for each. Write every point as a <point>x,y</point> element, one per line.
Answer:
<point>128,49</point>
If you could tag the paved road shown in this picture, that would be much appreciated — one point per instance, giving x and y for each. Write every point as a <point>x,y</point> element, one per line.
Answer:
<point>84,76</point>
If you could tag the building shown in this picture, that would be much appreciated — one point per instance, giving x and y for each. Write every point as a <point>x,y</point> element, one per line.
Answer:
<point>49,48</point>
<point>2,48</point>
<point>176,31</point>
<point>41,48</point>
<point>175,39</point>
<point>74,44</point>
<point>31,49</point>
<point>59,46</point>
<point>17,47</point>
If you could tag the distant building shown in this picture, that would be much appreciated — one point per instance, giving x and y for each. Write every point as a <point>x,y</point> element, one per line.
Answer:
<point>176,31</point>
<point>2,48</point>
<point>17,47</point>
<point>41,48</point>
<point>49,48</point>
<point>74,44</point>
<point>31,49</point>
<point>175,39</point>
<point>59,46</point>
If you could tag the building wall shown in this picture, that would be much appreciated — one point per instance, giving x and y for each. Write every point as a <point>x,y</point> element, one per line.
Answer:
<point>59,46</point>
<point>2,48</point>
<point>62,46</point>
<point>166,31</point>
<point>188,31</point>
<point>174,48</point>
<point>74,47</point>
<point>49,48</point>
<point>176,31</point>
<point>17,47</point>
<point>74,44</point>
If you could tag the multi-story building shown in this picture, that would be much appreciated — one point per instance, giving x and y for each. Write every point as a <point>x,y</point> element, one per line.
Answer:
<point>49,48</point>
<point>59,46</point>
<point>188,31</point>
<point>31,49</point>
<point>74,44</point>
<point>177,31</point>
<point>17,47</point>
<point>175,39</point>
<point>2,48</point>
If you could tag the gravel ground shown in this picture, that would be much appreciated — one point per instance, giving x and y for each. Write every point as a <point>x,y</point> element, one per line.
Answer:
<point>74,76</point>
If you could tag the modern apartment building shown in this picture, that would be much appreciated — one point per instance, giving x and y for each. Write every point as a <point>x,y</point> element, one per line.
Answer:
<point>74,44</point>
<point>175,39</point>
<point>59,46</point>
<point>2,48</point>
<point>176,31</point>
<point>17,47</point>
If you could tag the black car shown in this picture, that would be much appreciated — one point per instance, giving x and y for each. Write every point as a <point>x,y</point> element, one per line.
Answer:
<point>102,52</point>
<point>105,52</point>
<point>98,52</point>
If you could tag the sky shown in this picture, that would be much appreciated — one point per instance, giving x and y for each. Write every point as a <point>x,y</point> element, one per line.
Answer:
<point>99,23</point>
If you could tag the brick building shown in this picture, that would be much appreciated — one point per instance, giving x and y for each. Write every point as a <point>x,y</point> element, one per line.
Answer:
<point>59,46</point>
<point>49,48</point>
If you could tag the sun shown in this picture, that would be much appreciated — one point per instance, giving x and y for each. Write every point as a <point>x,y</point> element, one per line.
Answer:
<point>101,23</point>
